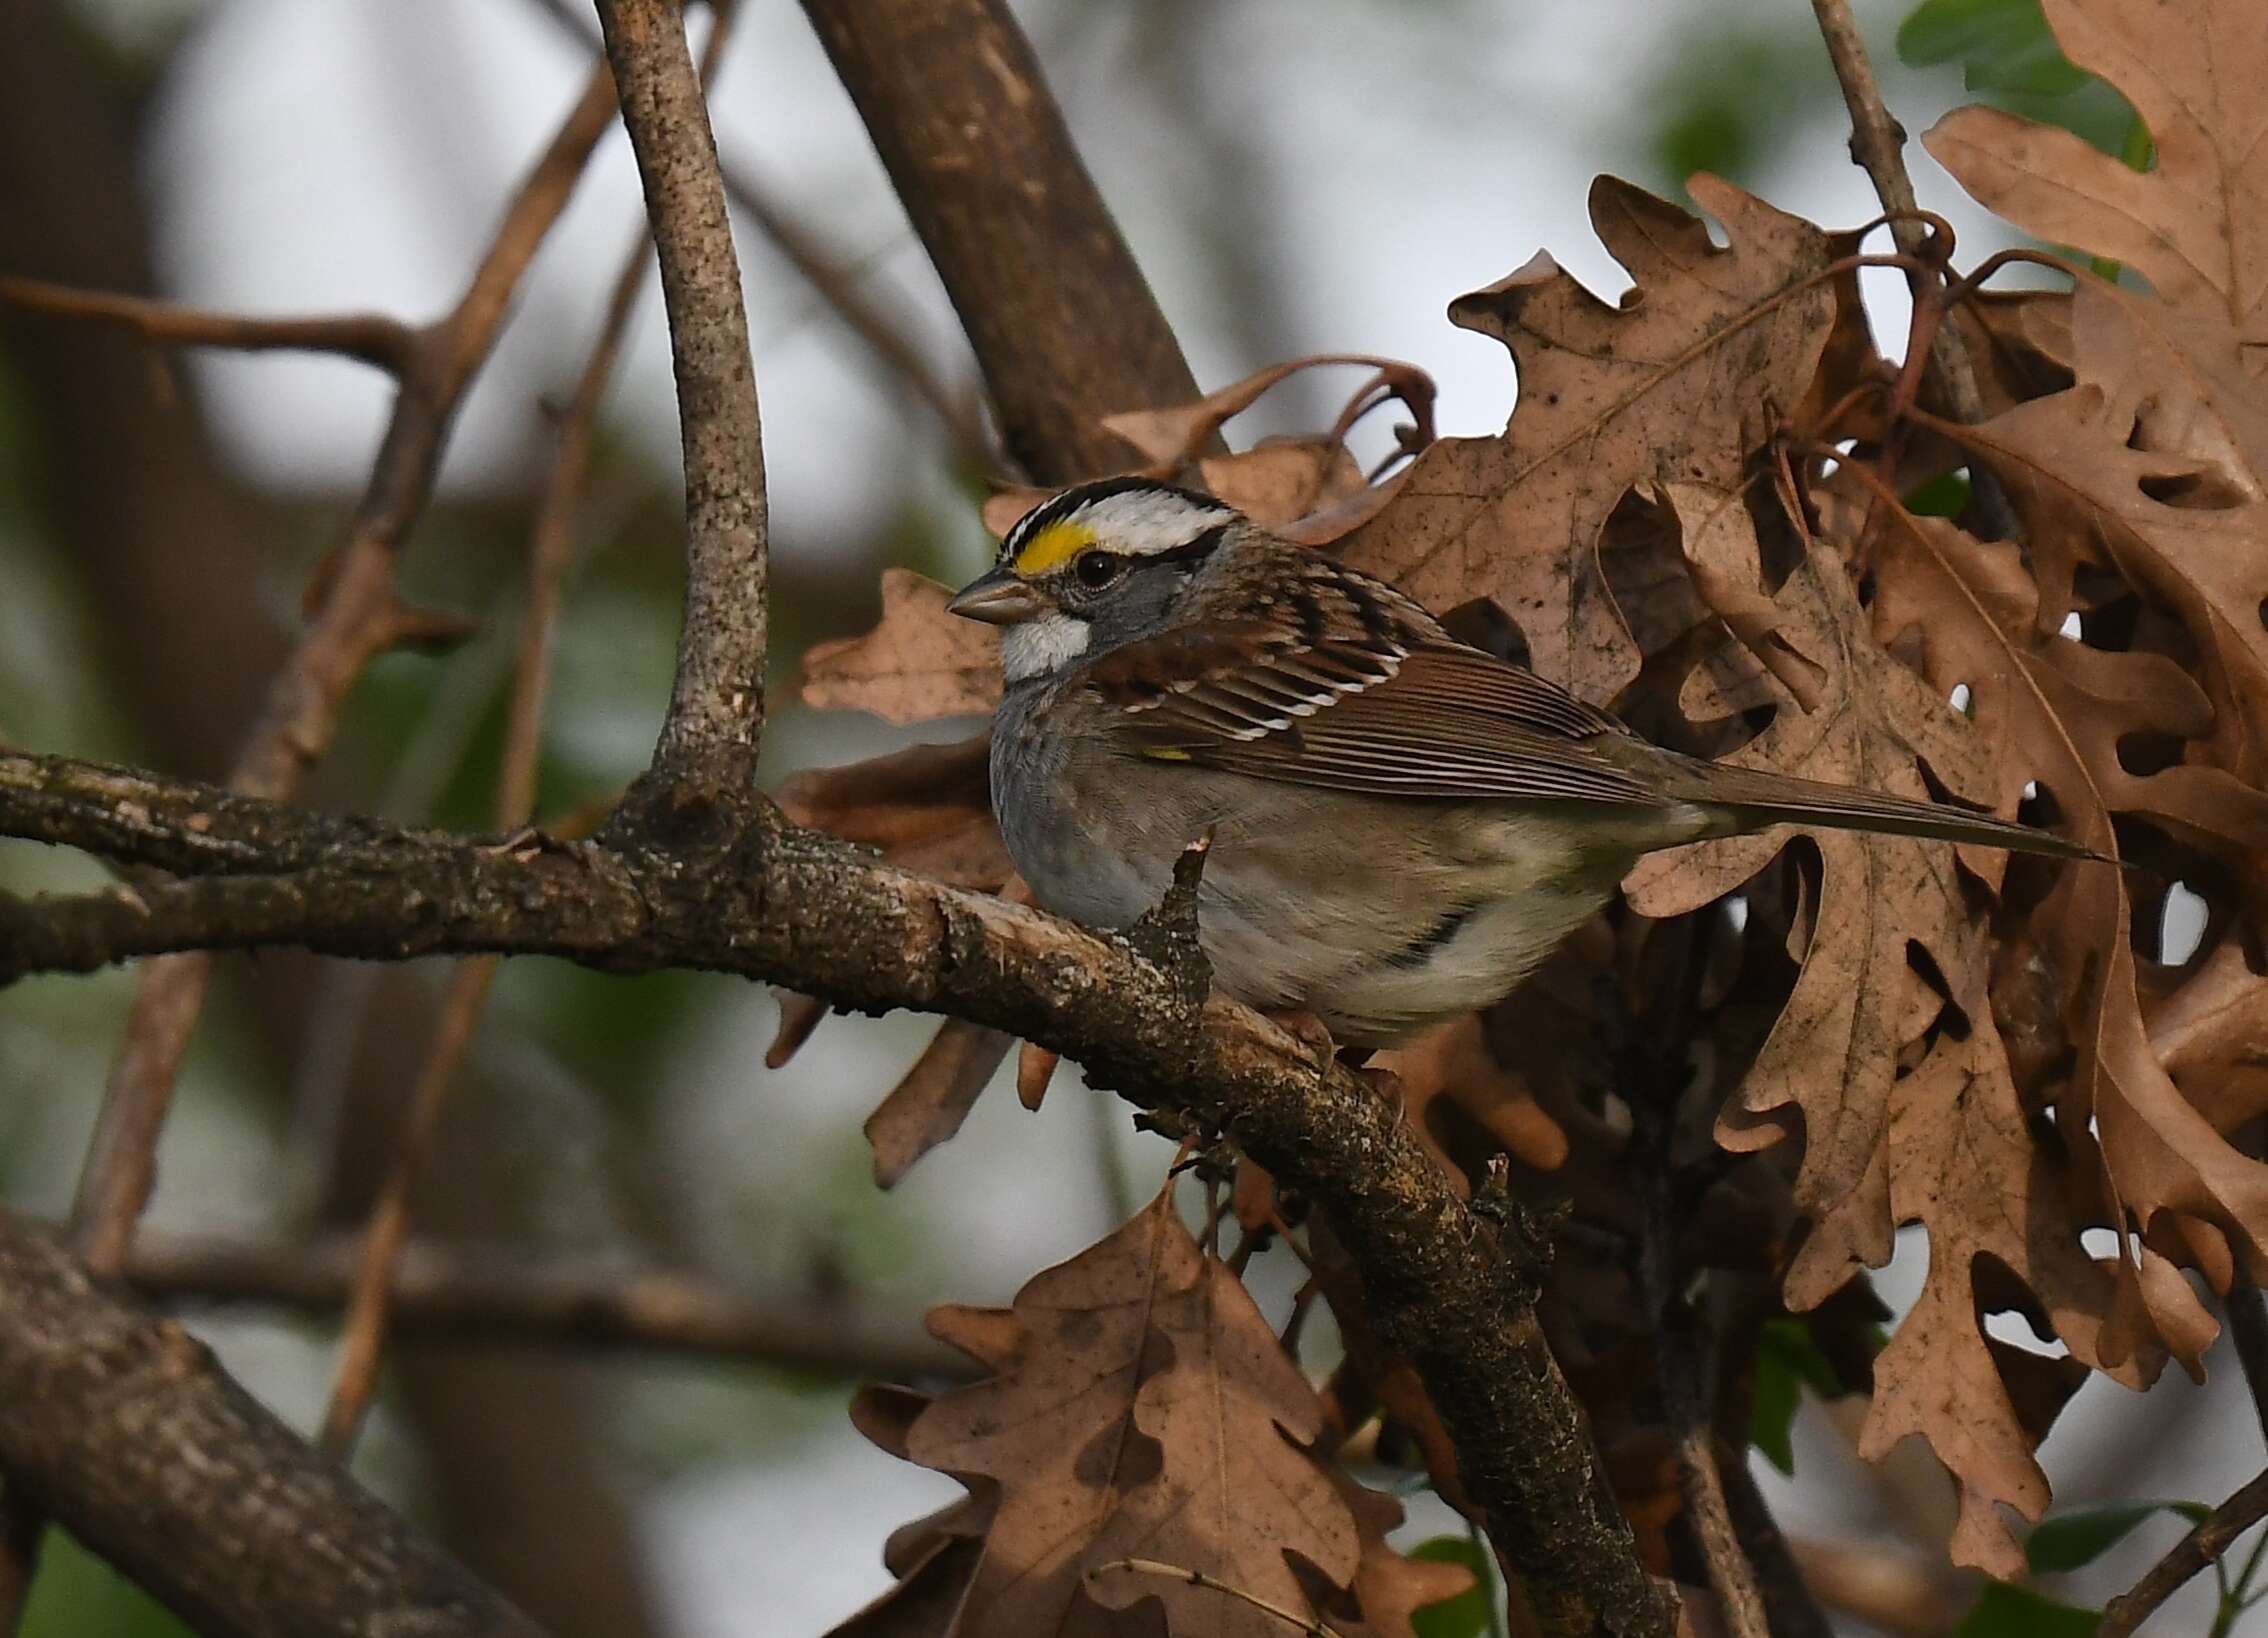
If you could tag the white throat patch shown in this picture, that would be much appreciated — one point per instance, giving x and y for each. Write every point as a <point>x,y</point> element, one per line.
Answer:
<point>1039,647</point>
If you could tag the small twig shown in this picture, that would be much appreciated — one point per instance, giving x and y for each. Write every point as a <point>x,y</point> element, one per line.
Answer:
<point>1682,1361</point>
<point>716,704</point>
<point>839,283</point>
<point>2202,1546</point>
<point>463,1294</point>
<point>362,1344</point>
<point>352,625</point>
<point>355,1380</point>
<point>375,338</point>
<point>1310,1626</point>
<point>1876,144</point>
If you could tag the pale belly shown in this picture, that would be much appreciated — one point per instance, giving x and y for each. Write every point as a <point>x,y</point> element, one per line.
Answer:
<point>1309,900</point>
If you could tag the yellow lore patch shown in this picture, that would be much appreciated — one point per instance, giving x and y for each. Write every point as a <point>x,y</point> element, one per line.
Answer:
<point>1053,546</point>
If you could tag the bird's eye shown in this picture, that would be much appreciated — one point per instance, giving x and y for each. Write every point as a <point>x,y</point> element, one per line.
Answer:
<point>1096,570</point>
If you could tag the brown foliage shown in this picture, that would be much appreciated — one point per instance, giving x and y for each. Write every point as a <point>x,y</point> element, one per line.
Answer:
<point>1140,1406</point>
<point>1890,1031</point>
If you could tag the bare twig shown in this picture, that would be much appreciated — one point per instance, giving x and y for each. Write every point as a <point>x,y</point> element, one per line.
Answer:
<point>753,895</point>
<point>2207,1542</point>
<point>459,1294</point>
<point>976,146</point>
<point>716,705</point>
<point>1876,144</point>
<point>387,343</point>
<point>1683,1355</point>
<point>122,1428</point>
<point>355,1380</point>
<point>840,283</point>
<point>356,618</point>
<point>1788,1598</point>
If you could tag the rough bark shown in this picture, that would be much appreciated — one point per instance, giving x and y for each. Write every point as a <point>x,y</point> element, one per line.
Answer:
<point>1063,323</point>
<point>121,1427</point>
<point>745,892</point>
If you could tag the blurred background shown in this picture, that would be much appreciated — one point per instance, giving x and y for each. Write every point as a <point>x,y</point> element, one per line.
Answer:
<point>1294,175</point>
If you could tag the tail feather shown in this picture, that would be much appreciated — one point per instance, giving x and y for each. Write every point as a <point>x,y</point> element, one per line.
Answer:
<point>1752,799</point>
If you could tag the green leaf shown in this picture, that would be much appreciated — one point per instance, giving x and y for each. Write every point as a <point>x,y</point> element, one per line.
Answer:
<point>1466,1615</point>
<point>2070,1540</point>
<point>2019,1612</point>
<point>1787,1361</point>
<point>1943,496</point>
<point>76,1592</point>
<point>2002,46</point>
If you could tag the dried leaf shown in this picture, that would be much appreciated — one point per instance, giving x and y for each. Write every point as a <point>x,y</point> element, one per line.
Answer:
<point>1035,1068</point>
<point>1454,1063</point>
<point>800,1015</point>
<point>928,808</point>
<point>929,1103</point>
<point>2156,463</point>
<point>2193,225</point>
<point>1837,1044</point>
<point>1148,1411</point>
<point>2212,1036</point>
<point>1678,383</point>
<point>918,663</point>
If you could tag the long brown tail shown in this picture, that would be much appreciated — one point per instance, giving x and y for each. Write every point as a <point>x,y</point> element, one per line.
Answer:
<point>1752,799</point>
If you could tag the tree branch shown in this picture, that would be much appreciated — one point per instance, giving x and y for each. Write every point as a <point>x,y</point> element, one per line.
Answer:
<point>1065,327</point>
<point>449,1293</point>
<point>2207,1542</point>
<point>356,615</point>
<point>716,705</point>
<point>1877,141</point>
<point>755,896</point>
<point>121,1427</point>
<point>355,1380</point>
<point>374,338</point>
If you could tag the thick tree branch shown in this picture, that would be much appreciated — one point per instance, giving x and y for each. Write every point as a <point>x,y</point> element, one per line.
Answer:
<point>767,900</point>
<point>1064,325</point>
<point>716,705</point>
<point>121,1427</point>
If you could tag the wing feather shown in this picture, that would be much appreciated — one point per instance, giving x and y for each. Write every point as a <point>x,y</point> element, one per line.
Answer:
<point>1380,704</point>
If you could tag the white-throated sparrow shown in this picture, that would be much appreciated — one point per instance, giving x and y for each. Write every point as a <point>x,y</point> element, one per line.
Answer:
<point>1403,826</point>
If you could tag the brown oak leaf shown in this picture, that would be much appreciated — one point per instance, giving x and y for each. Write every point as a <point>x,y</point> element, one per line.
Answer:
<point>928,808</point>
<point>1141,1407</point>
<point>2155,463</point>
<point>1857,1002</point>
<point>1677,383</point>
<point>918,662</point>
<point>2192,224</point>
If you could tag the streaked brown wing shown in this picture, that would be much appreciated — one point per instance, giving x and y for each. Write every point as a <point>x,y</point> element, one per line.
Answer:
<point>1402,713</point>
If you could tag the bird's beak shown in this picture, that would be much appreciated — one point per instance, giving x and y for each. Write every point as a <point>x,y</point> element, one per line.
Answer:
<point>998,599</point>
